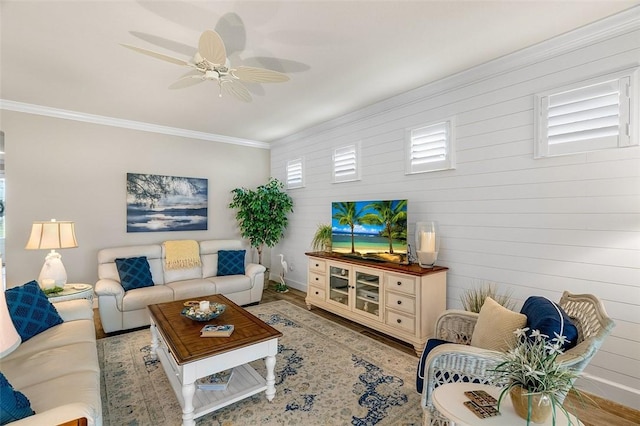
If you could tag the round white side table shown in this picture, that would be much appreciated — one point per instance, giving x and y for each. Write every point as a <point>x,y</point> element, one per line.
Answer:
<point>73,291</point>
<point>449,400</point>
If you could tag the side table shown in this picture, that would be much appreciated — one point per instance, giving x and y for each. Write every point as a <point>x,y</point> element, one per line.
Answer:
<point>73,291</point>
<point>449,400</point>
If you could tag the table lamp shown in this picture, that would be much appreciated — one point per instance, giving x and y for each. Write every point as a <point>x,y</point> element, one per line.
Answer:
<point>52,235</point>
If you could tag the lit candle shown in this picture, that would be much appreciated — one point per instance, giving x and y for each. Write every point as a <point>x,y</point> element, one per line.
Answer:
<point>204,306</point>
<point>428,241</point>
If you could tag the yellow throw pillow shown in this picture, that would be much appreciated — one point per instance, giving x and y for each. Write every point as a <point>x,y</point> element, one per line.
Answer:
<point>495,327</point>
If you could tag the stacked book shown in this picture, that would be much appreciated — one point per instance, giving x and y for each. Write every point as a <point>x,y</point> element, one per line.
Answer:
<point>216,330</point>
<point>217,381</point>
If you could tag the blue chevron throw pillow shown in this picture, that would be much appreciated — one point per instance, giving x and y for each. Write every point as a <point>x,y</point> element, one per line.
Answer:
<point>30,310</point>
<point>231,262</point>
<point>134,272</point>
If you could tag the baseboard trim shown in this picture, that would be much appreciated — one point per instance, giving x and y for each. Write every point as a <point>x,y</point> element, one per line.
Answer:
<point>593,409</point>
<point>605,390</point>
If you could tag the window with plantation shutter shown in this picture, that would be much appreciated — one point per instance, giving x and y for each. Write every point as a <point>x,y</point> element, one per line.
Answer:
<point>430,148</point>
<point>346,165</point>
<point>590,116</point>
<point>295,173</point>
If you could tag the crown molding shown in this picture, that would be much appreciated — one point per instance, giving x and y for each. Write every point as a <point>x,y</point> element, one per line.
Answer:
<point>606,28</point>
<point>126,124</point>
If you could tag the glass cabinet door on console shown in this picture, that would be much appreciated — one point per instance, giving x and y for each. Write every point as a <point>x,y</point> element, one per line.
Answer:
<point>367,291</point>
<point>339,285</point>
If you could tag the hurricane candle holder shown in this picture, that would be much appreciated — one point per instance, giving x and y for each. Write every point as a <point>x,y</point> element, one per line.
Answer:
<point>427,243</point>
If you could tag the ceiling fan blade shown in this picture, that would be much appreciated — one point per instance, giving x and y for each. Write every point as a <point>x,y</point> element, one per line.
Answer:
<point>259,75</point>
<point>236,89</point>
<point>211,48</point>
<point>187,81</point>
<point>157,55</point>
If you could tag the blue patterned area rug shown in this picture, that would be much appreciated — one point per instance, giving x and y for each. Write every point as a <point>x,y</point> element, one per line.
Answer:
<point>326,374</point>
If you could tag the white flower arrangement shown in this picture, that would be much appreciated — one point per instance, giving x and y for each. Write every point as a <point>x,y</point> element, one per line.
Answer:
<point>531,364</point>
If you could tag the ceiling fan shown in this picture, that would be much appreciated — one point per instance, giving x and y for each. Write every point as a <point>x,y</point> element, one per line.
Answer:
<point>211,63</point>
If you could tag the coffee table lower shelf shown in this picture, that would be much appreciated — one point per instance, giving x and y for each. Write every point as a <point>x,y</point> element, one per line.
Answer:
<point>245,382</point>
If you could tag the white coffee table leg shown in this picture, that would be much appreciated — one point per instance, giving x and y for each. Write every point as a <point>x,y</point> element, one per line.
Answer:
<point>188,390</point>
<point>154,341</point>
<point>270,362</point>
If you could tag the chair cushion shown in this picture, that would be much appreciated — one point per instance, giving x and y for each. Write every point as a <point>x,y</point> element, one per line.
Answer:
<point>13,404</point>
<point>30,310</point>
<point>431,343</point>
<point>549,318</point>
<point>495,327</point>
<point>134,272</point>
<point>231,262</point>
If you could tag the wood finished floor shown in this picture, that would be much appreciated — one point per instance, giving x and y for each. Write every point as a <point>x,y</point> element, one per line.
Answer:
<point>594,411</point>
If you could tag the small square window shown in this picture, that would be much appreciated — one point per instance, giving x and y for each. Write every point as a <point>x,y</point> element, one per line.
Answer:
<point>430,148</point>
<point>346,163</point>
<point>588,116</point>
<point>295,173</point>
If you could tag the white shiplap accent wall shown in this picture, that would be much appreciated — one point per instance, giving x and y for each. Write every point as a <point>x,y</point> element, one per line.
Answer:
<point>535,227</point>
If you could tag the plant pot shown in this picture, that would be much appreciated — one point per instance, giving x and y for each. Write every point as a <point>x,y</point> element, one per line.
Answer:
<point>533,407</point>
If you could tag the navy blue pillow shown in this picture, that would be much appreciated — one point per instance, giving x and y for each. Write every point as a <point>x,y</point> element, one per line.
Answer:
<point>431,344</point>
<point>542,315</point>
<point>30,310</point>
<point>13,404</point>
<point>231,262</point>
<point>134,272</point>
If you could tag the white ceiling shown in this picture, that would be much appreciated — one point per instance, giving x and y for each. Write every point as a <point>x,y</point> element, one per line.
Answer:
<point>340,55</point>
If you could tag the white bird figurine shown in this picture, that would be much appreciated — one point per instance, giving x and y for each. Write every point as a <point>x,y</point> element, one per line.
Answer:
<point>282,287</point>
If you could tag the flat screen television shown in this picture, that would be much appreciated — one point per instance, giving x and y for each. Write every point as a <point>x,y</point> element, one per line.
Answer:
<point>371,230</point>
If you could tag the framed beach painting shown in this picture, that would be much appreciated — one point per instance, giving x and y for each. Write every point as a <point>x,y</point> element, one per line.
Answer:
<point>157,203</point>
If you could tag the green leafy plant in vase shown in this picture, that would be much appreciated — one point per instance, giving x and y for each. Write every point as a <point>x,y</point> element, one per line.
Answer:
<point>322,238</point>
<point>535,380</point>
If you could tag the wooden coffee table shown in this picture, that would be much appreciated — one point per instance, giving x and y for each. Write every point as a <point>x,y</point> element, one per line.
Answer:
<point>186,357</point>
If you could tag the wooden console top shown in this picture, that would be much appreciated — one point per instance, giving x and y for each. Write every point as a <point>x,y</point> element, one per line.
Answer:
<point>411,269</point>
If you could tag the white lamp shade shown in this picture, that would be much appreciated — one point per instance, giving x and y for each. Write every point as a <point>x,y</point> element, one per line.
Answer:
<point>52,235</point>
<point>9,337</point>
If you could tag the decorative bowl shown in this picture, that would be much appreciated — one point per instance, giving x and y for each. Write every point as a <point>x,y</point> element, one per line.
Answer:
<point>194,313</point>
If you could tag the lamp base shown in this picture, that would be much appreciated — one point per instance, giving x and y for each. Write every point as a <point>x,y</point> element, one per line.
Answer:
<point>53,274</point>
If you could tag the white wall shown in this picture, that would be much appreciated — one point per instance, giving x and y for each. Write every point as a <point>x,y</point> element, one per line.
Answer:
<point>70,170</point>
<point>536,227</point>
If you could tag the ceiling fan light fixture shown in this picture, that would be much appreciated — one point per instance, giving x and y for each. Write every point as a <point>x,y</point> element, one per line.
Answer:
<point>211,75</point>
<point>212,62</point>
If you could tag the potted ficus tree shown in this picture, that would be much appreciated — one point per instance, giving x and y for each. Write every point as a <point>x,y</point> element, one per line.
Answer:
<point>262,213</point>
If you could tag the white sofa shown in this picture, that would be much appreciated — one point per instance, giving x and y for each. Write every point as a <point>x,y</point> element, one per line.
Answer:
<point>121,310</point>
<point>58,370</point>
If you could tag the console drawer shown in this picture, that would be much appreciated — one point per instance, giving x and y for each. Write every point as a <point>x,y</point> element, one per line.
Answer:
<point>317,265</point>
<point>315,293</point>
<point>317,280</point>
<point>401,302</point>
<point>400,321</point>
<point>400,283</point>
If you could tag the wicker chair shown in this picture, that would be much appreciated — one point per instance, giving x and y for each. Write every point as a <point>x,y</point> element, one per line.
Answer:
<point>457,362</point>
